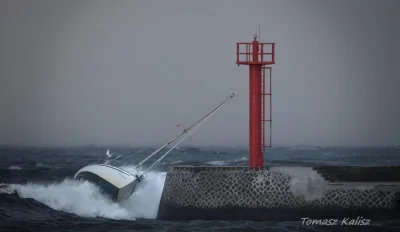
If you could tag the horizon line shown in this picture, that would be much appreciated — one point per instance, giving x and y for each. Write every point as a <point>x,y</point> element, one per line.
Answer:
<point>192,146</point>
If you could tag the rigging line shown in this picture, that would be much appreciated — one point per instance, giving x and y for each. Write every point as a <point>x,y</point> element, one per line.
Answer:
<point>189,128</point>
<point>115,160</point>
<point>133,154</point>
<point>163,156</point>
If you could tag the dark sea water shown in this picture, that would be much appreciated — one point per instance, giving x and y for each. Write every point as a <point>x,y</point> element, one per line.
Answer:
<point>38,193</point>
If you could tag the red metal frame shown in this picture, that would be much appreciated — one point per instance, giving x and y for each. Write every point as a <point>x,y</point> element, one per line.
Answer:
<point>254,57</point>
<point>249,53</point>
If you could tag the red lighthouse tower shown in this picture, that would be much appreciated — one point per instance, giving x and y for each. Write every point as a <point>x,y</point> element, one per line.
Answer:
<point>258,56</point>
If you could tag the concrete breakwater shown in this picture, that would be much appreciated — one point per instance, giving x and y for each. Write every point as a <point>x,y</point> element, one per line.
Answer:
<point>280,193</point>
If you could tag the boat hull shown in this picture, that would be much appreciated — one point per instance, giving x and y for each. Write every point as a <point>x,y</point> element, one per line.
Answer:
<point>113,181</point>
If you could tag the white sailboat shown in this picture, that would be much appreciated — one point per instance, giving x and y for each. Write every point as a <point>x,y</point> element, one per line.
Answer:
<point>120,184</point>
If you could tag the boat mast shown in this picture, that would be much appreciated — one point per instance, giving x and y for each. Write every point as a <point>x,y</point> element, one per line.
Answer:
<point>180,141</point>
<point>189,128</point>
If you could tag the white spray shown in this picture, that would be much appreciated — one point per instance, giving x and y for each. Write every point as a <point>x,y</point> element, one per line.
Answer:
<point>85,199</point>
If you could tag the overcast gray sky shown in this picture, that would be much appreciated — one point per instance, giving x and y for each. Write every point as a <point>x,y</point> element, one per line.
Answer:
<point>127,72</point>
